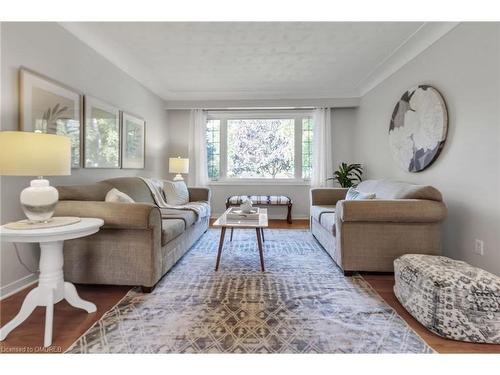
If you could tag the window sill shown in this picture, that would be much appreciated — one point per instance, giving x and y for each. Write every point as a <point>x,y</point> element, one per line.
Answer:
<point>266,182</point>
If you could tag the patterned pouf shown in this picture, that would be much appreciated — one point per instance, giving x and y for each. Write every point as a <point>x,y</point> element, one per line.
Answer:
<point>449,297</point>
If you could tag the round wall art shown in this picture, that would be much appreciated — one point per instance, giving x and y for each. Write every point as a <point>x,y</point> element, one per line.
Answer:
<point>418,128</point>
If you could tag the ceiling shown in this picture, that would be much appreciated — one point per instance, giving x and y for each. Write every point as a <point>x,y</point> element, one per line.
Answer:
<point>242,60</point>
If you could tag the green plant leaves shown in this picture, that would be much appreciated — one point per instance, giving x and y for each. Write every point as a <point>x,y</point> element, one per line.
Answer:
<point>348,175</point>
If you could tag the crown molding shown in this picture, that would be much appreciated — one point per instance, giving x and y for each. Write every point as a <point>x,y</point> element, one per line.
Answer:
<point>419,41</point>
<point>264,103</point>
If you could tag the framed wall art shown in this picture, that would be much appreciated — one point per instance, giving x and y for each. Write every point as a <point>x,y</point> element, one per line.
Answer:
<point>133,141</point>
<point>101,134</point>
<point>49,106</point>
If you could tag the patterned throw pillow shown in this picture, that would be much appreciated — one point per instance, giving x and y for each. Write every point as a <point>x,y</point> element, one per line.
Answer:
<point>115,195</point>
<point>176,192</point>
<point>353,194</point>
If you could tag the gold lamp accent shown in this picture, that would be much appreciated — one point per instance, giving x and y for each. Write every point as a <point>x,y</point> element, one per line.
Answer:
<point>35,154</point>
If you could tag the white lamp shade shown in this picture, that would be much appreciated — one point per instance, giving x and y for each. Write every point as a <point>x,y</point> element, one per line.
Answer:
<point>178,165</point>
<point>34,154</point>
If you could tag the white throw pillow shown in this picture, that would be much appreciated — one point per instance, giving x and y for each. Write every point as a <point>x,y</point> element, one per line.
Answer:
<point>176,192</point>
<point>115,195</point>
<point>353,195</point>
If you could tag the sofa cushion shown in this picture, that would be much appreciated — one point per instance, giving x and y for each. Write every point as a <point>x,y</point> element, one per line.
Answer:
<point>115,195</point>
<point>387,189</point>
<point>134,187</point>
<point>318,211</point>
<point>176,192</point>
<point>328,222</point>
<point>171,228</point>
<point>354,194</point>
<point>325,215</point>
<point>188,216</point>
<point>92,192</point>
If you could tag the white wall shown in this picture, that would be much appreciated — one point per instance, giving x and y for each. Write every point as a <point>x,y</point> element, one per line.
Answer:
<point>464,65</point>
<point>342,122</point>
<point>52,51</point>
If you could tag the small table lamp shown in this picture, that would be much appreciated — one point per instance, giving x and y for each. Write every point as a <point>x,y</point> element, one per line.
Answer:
<point>178,165</point>
<point>35,154</point>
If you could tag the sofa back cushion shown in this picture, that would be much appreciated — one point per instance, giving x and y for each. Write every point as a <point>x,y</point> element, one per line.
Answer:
<point>134,187</point>
<point>176,192</point>
<point>387,189</point>
<point>91,192</point>
<point>117,196</point>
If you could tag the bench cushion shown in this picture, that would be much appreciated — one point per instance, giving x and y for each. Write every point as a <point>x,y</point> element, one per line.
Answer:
<point>451,298</point>
<point>260,199</point>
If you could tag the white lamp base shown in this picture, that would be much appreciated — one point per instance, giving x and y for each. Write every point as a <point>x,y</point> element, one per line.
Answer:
<point>178,177</point>
<point>39,200</point>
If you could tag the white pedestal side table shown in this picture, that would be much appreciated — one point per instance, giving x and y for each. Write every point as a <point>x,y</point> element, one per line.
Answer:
<point>51,285</point>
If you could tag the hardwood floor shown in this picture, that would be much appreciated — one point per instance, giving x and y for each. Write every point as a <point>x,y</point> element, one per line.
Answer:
<point>71,323</point>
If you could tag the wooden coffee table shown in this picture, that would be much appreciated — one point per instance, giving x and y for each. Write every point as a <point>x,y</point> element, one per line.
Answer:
<point>258,225</point>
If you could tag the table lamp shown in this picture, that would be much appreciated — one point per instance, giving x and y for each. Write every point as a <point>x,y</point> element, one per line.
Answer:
<point>178,165</point>
<point>35,154</point>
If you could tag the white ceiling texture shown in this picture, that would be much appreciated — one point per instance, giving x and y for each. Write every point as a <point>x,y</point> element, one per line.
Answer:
<point>258,60</point>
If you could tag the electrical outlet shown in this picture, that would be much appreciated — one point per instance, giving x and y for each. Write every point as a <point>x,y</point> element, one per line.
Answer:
<point>479,247</point>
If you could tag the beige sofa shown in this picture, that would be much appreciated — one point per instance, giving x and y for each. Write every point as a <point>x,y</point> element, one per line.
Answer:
<point>137,245</point>
<point>367,235</point>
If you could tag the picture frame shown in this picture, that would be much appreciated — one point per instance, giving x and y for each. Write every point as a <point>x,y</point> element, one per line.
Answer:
<point>133,141</point>
<point>102,134</point>
<point>52,107</point>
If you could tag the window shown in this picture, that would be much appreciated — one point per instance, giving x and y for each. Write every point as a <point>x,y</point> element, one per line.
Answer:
<point>259,145</point>
<point>213,148</point>
<point>307,131</point>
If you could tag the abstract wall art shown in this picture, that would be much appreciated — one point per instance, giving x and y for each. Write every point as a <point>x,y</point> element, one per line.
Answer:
<point>418,128</point>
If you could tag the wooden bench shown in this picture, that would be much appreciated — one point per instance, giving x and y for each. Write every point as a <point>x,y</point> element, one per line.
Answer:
<point>263,200</point>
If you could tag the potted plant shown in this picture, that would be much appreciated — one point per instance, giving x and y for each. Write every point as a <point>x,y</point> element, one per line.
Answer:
<point>348,175</point>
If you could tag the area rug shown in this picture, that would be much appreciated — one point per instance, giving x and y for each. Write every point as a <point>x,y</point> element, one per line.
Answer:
<point>302,303</point>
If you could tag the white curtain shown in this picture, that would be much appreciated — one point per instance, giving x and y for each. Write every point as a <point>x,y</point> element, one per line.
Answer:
<point>322,159</point>
<point>198,171</point>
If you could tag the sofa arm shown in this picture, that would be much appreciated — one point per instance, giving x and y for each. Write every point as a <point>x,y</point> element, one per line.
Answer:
<point>115,215</point>
<point>197,194</point>
<point>394,210</point>
<point>327,196</point>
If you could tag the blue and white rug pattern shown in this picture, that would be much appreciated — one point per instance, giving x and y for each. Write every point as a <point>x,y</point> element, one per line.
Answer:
<point>302,303</point>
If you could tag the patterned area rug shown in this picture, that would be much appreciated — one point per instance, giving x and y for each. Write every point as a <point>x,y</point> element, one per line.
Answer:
<point>301,304</point>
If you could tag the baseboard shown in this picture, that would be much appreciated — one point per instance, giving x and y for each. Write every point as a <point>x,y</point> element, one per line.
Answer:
<point>18,285</point>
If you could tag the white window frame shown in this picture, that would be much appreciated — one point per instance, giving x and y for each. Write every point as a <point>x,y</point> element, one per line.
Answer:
<point>296,115</point>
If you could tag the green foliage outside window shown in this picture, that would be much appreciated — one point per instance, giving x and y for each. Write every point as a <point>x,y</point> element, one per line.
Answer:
<point>260,148</point>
